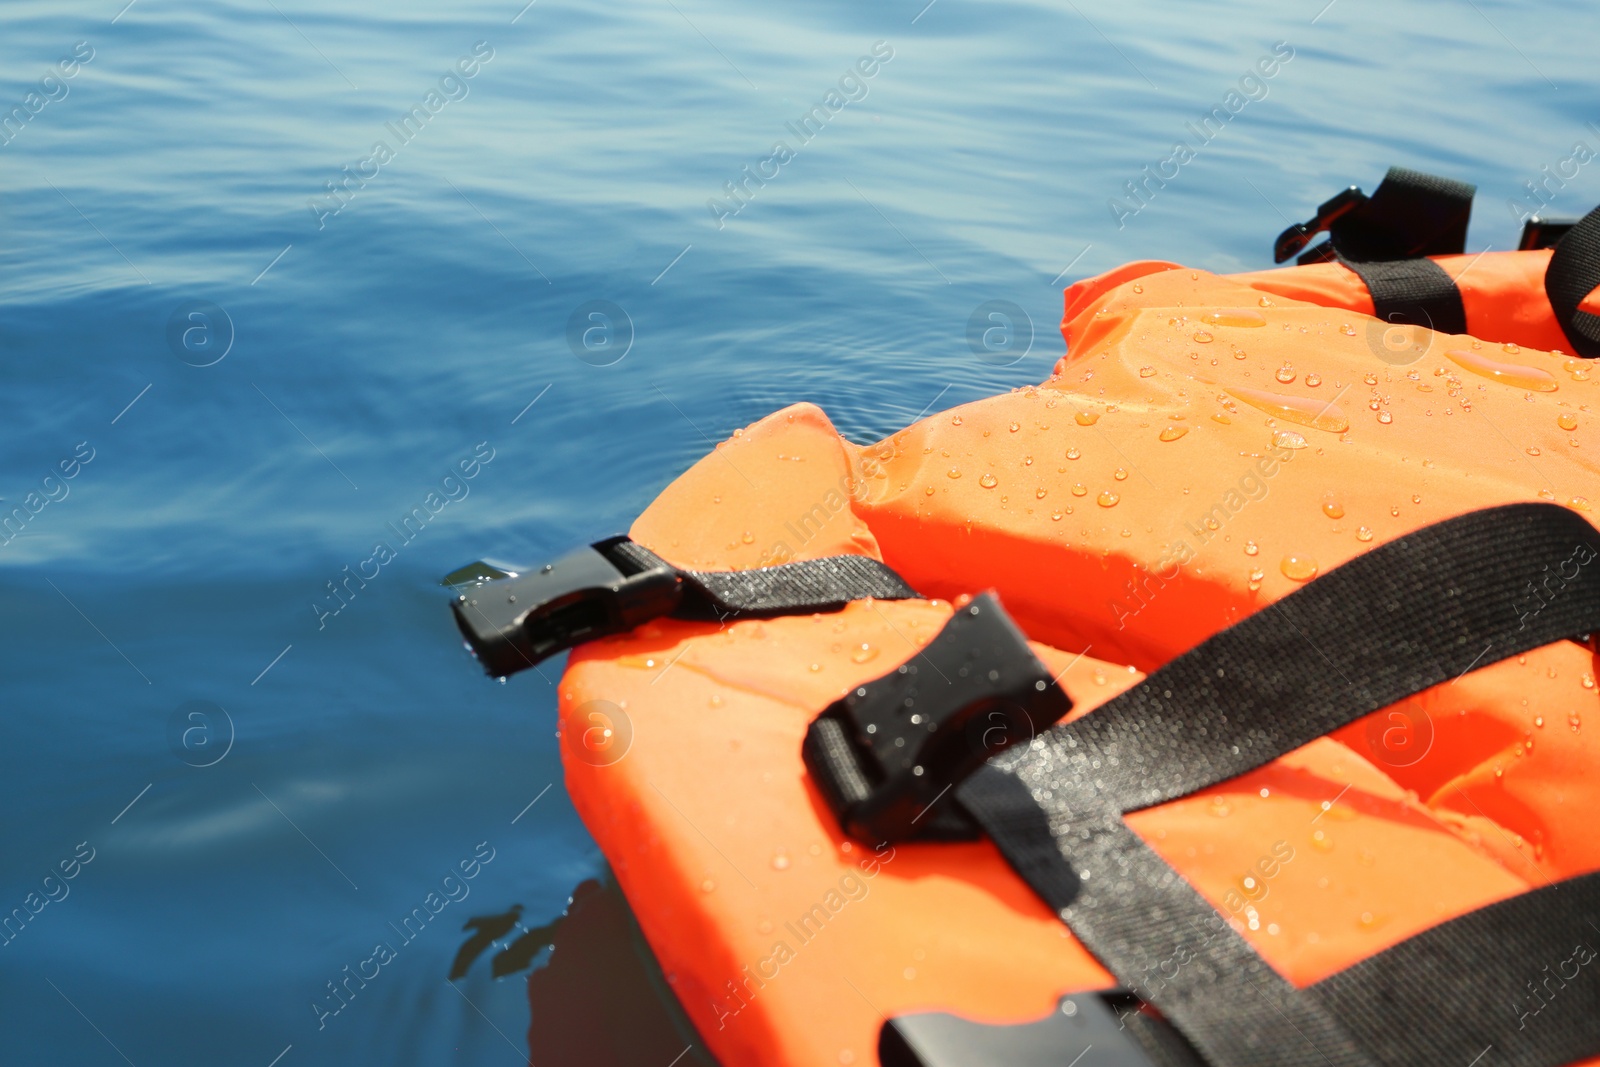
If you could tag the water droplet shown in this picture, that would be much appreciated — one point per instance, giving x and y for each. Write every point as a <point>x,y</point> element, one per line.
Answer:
<point>1385,418</point>
<point>1014,427</point>
<point>1107,499</point>
<point>1513,374</point>
<point>1511,346</point>
<point>1202,337</point>
<point>865,653</point>
<point>1087,418</point>
<point>1172,433</point>
<point>1119,474</point>
<point>1567,421</point>
<point>955,420</point>
<point>928,490</point>
<point>1545,494</point>
<point>1285,374</point>
<point>1257,574</point>
<point>1347,329</point>
<point>1533,451</point>
<point>1073,453</point>
<point>1395,511</point>
<point>1055,516</point>
<point>1367,919</point>
<point>1364,534</point>
<point>1079,489</point>
<point>1321,841</point>
<point>815,667</point>
<point>1235,317</point>
<point>1138,288</point>
<point>1579,503</point>
<point>1288,439</point>
<point>988,481</point>
<point>1588,681</point>
<point>1147,371</point>
<point>1298,568</point>
<point>1538,720</point>
<point>1416,498</point>
<point>1332,508</point>
<point>953,472</point>
<point>1302,411</point>
<point>748,538</point>
<point>1251,548</point>
<point>716,500</point>
<point>1040,493</point>
<point>780,862</point>
<point>1574,722</point>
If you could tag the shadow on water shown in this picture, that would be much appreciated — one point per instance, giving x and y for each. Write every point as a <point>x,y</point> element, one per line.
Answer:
<point>598,997</point>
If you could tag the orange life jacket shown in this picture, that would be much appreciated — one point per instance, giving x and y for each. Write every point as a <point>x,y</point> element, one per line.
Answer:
<point>1209,445</point>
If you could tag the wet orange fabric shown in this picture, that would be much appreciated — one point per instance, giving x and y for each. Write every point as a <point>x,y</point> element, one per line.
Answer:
<point>1208,444</point>
<point>1503,293</point>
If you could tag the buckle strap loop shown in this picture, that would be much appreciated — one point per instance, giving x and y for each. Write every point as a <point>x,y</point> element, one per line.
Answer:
<point>512,623</point>
<point>885,754</point>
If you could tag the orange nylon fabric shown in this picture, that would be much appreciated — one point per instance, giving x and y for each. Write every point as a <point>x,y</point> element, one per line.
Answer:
<point>1503,293</point>
<point>1208,444</point>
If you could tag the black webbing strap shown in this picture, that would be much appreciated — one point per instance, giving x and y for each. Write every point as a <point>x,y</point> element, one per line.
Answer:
<point>1409,615</point>
<point>1413,292</point>
<point>1409,214</point>
<point>514,621</point>
<point>1573,273</point>
<point>809,585</point>
<point>1523,976</point>
<point>1386,239</point>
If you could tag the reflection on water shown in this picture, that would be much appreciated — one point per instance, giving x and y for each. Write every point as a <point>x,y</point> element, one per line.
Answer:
<point>514,957</point>
<point>602,1000</point>
<point>490,928</point>
<point>598,997</point>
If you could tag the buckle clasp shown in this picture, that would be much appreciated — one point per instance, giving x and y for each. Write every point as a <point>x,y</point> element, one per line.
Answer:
<point>513,623</point>
<point>1296,237</point>
<point>890,750</point>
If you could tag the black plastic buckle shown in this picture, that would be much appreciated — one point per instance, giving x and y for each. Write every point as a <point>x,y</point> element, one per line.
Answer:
<point>512,623</point>
<point>887,752</point>
<point>1296,237</point>
<point>1542,232</point>
<point>1125,1031</point>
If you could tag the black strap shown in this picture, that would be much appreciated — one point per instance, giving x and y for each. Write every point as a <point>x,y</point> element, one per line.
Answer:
<point>809,585</point>
<point>1409,214</point>
<point>513,621</point>
<point>1413,292</point>
<point>1523,977</point>
<point>1573,273</point>
<point>1409,615</point>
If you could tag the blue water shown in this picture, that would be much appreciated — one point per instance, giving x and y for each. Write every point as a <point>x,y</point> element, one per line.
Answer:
<point>355,359</point>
